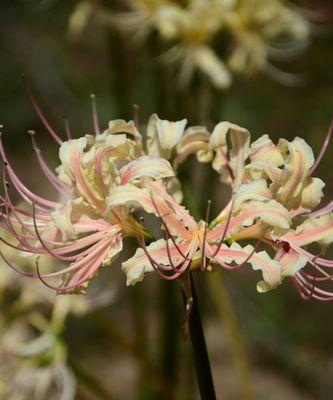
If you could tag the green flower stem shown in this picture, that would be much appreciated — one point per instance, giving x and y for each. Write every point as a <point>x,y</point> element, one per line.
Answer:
<point>199,348</point>
<point>228,320</point>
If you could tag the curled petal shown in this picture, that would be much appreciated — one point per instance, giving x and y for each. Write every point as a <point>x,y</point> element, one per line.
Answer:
<point>271,213</point>
<point>163,135</point>
<point>136,267</point>
<point>208,62</point>
<point>240,139</point>
<point>122,126</point>
<point>298,161</point>
<point>271,269</point>
<point>151,202</point>
<point>194,141</point>
<point>256,190</point>
<point>152,167</point>
<point>264,150</point>
<point>263,170</point>
<point>312,193</point>
<point>291,262</point>
<point>313,229</point>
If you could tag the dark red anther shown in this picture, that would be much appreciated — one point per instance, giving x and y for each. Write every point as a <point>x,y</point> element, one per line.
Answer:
<point>286,247</point>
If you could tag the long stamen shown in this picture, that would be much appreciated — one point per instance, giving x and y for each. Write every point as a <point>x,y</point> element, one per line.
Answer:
<point>136,110</point>
<point>155,265</point>
<point>166,228</point>
<point>95,115</point>
<point>174,268</point>
<point>225,231</point>
<point>18,270</point>
<point>324,210</point>
<point>323,149</point>
<point>67,128</point>
<point>316,293</point>
<point>40,114</point>
<point>26,194</point>
<point>52,178</point>
<point>49,251</point>
<point>203,244</point>
<point>312,289</point>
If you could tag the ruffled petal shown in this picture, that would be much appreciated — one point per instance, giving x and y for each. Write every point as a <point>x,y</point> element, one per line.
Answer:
<point>194,141</point>
<point>299,158</point>
<point>235,161</point>
<point>163,135</point>
<point>152,167</point>
<point>313,229</point>
<point>137,266</point>
<point>271,269</point>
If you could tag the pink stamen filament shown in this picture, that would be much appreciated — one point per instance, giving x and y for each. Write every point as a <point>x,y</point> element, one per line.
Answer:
<point>323,149</point>
<point>41,115</point>
<point>95,115</point>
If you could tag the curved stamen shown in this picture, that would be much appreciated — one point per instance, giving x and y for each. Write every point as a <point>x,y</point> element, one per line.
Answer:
<point>166,228</point>
<point>92,266</point>
<point>323,149</point>
<point>324,210</point>
<point>20,187</point>
<point>312,288</point>
<point>203,244</point>
<point>225,230</point>
<point>52,178</point>
<point>317,294</point>
<point>95,115</point>
<point>40,114</point>
<point>155,265</point>
<point>18,270</point>
<point>67,128</point>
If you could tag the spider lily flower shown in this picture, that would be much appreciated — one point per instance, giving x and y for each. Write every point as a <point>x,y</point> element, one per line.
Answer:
<point>259,30</point>
<point>186,243</point>
<point>278,179</point>
<point>34,360</point>
<point>273,195</point>
<point>80,229</point>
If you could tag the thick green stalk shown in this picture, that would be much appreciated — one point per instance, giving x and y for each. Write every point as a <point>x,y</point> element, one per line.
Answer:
<point>199,348</point>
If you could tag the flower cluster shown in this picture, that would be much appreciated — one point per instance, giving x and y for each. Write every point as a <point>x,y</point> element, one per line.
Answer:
<point>217,37</point>
<point>33,354</point>
<point>105,180</point>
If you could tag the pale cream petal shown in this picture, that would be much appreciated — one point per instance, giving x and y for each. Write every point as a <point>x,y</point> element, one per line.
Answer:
<point>137,266</point>
<point>145,166</point>
<point>291,262</point>
<point>240,140</point>
<point>298,161</point>
<point>312,193</point>
<point>256,190</point>
<point>194,141</point>
<point>313,229</point>
<point>208,62</point>
<point>163,135</point>
<point>271,213</point>
<point>264,150</point>
<point>271,269</point>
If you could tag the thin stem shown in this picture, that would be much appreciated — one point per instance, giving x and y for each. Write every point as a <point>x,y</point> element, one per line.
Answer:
<point>201,359</point>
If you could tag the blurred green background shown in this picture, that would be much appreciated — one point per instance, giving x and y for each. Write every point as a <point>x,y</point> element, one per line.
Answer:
<point>289,342</point>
